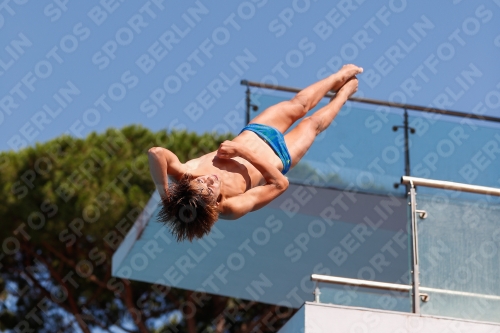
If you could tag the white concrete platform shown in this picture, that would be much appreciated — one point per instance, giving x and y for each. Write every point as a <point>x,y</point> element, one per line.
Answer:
<point>323,318</point>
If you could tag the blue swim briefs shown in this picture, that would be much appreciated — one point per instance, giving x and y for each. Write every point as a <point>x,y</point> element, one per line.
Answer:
<point>275,140</point>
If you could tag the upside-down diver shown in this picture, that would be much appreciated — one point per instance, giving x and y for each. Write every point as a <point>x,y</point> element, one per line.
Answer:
<point>246,173</point>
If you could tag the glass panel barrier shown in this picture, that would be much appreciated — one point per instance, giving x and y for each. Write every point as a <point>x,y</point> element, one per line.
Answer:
<point>364,297</point>
<point>459,253</point>
<point>359,151</point>
<point>459,243</point>
<point>455,149</point>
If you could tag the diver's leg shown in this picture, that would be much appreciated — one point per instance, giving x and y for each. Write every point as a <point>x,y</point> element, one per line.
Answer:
<point>301,137</point>
<point>282,115</point>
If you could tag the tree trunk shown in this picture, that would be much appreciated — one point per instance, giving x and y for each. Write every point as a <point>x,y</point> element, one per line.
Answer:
<point>75,310</point>
<point>220,303</point>
<point>221,322</point>
<point>136,314</point>
<point>73,307</point>
<point>81,323</point>
<point>263,316</point>
<point>190,318</point>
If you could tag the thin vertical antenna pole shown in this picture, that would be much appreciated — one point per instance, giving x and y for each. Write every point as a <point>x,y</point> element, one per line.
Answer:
<point>248,103</point>
<point>407,147</point>
<point>414,235</point>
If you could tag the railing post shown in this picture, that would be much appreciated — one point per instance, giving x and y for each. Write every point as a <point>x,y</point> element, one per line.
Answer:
<point>248,102</point>
<point>414,234</point>
<point>407,129</point>
<point>316,292</point>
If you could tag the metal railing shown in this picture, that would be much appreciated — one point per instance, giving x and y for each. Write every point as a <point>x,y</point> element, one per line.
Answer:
<point>377,102</point>
<point>411,183</point>
<point>355,282</point>
<point>445,185</point>
<point>415,288</point>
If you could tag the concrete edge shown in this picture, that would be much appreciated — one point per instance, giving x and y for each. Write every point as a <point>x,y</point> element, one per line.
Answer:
<point>402,313</point>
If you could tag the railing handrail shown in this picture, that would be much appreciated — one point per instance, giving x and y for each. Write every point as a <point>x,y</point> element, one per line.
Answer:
<point>460,293</point>
<point>394,286</point>
<point>360,283</point>
<point>380,102</point>
<point>446,185</point>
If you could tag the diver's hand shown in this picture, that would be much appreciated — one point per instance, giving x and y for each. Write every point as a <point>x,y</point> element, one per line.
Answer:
<point>229,149</point>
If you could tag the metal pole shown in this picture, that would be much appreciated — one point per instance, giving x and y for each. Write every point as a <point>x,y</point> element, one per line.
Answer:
<point>316,292</point>
<point>445,185</point>
<point>360,283</point>
<point>407,129</point>
<point>248,102</point>
<point>460,293</point>
<point>407,144</point>
<point>407,147</point>
<point>414,233</point>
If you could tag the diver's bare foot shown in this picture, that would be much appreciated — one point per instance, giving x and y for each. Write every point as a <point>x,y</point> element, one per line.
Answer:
<point>349,88</point>
<point>344,74</point>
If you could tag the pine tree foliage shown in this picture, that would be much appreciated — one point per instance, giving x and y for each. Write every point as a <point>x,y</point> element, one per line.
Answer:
<point>65,205</point>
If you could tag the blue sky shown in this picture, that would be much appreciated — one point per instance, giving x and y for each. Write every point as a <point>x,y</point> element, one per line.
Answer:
<point>76,67</point>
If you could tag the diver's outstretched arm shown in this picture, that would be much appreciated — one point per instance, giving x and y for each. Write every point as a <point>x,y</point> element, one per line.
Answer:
<point>162,162</point>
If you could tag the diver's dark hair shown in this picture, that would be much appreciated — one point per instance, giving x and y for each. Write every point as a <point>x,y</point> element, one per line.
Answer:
<point>188,212</point>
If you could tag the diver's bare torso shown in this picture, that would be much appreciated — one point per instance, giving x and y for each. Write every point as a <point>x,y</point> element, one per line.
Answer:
<point>237,175</point>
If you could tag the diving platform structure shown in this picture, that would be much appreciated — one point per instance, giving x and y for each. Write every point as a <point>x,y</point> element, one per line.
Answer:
<point>344,265</point>
<point>351,244</point>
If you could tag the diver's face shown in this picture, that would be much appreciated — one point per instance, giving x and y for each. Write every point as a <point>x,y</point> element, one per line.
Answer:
<point>208,184</point>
